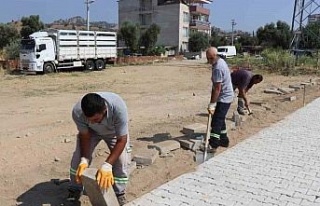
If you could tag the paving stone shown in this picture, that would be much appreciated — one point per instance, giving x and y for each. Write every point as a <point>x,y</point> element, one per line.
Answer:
<point>292,98</point>
<point>191,144</point>
<point>269,169</point>
<point>194,128</point>
<point>96,196</point>
<point>236,118</point>
<point>272,91</point>
<point>257,102</point>
<point>166,146</point>
<point>286,90</point>
<point>146,157</point>
<point>296,86</point>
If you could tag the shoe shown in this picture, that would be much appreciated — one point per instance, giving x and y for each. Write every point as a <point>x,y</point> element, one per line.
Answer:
<point>122,199</point>
<point>214,142</point>
<point>241,111</point>
<point>74,195</point>
<point>224,141</point>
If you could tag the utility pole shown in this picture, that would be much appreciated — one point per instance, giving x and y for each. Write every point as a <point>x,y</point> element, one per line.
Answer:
<point>88,2</point>
<point>233,23</point>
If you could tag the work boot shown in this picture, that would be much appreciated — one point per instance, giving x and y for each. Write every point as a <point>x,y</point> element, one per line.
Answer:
<point>74,195</point>
<point>224,141</point>
<point>122,199</point>
<point>214,142</point>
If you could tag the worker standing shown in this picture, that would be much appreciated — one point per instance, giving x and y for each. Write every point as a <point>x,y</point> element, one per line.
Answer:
<point>243,80</point>
<point>101,116</point>
<point>221,98</point>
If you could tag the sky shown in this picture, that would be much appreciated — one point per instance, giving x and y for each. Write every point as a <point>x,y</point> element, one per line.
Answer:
<point>248,15</point>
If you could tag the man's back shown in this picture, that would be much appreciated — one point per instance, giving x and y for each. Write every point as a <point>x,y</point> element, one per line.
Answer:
<point>241,78</point>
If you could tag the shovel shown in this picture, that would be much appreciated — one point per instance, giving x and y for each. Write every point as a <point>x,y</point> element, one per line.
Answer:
<point>206,143</point>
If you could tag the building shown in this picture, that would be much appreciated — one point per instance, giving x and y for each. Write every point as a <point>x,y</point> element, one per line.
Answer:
<point>313,18</point>
<point>176,18</point>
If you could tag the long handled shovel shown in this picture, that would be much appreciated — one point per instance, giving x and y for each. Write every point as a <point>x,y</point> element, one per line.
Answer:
<point>206,143</point>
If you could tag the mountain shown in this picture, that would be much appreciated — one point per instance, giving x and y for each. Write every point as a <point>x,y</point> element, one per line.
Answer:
<point>80,23</point>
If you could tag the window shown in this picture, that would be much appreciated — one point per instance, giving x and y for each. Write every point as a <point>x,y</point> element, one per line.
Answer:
<point>186,17</point>
<point>185,32</point>
<point>41,47</point>
<point>145,19</point>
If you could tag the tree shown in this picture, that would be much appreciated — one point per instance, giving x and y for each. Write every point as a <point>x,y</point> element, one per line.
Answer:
<point>275,35</point>
<point>7,34</point>
<point>12,50</point>
<point>150,37</point>
<point>310,38</point>
<point>198,41</point>
<point>129,34</point>
<point>30,25</point>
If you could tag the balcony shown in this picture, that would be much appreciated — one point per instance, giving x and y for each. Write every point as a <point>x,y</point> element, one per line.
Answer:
<point>199,10</point>
<point>199,25</point>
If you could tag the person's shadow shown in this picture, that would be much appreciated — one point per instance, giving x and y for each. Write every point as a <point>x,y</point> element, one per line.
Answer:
<point>46,193</point>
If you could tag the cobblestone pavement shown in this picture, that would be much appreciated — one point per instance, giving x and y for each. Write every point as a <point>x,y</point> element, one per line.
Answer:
<point>278,166</point>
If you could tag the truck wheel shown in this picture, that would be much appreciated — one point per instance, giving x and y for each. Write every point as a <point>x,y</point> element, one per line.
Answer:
<point>89,65</point>
<point>100,65</point>
<point>48,68</point>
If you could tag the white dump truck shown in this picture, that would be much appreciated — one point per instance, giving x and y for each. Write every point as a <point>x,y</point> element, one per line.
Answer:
<point>50,50</point>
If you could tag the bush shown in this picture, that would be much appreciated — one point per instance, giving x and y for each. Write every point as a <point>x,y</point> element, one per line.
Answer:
<point>12,50</point>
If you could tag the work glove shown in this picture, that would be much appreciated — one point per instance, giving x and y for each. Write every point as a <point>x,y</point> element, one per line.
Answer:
<point>211,107</point>
<point>82,166</point>
<point>104,176</point>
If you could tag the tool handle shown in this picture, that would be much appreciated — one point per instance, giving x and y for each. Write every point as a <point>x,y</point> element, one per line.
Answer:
<point>206,143</point>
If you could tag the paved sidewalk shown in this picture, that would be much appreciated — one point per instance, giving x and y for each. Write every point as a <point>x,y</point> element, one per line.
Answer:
<point>278,166</point>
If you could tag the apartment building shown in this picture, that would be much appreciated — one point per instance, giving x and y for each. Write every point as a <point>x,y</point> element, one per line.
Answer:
<point>176,18</point>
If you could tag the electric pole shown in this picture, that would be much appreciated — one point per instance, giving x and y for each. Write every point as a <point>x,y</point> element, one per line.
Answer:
<point>88,2</point>
<point>233,23</point>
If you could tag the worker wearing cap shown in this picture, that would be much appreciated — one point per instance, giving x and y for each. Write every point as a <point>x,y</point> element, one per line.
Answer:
<point>101,116</point>
<point>243,80</point>
<point>221,98</point>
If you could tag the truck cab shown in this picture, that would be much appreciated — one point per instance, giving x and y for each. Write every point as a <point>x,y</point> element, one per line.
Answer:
<point>35,51</point>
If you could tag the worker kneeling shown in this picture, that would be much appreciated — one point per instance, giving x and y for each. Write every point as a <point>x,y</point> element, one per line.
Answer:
<point>101,116</point>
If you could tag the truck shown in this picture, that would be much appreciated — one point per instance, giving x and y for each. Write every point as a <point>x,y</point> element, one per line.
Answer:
<point>51,50</point>
<point>227,51</point>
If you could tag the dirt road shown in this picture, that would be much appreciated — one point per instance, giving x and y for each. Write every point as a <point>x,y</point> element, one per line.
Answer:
<point>37,135</point>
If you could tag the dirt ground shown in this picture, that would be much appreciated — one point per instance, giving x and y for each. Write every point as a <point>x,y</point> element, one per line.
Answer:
<point>37,135</point>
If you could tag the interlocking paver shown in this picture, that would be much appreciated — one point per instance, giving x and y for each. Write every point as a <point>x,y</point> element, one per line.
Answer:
<point>278,166</point>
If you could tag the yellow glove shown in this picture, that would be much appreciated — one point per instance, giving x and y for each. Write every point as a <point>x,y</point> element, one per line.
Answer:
<point>82,166</point>
<point>104,176</point>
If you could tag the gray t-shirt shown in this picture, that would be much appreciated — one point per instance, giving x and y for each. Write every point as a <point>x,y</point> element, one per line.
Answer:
<point>221,73</point>
<point>115,122</point>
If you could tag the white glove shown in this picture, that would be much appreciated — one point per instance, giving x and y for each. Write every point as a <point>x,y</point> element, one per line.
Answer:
<point>211,107</point>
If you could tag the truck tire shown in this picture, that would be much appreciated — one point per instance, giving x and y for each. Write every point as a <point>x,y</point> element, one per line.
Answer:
<point>48,68</point>
<point>100,65</point>
<point>89,65</point>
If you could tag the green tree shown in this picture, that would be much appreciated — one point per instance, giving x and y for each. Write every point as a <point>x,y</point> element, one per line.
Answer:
<point>217,40</point>
<point>30,25</point>
<point>7,34</point>
<point>198,41</point>
<point>311,36</point>
<point>12,49</point>
<point>275,35</point>
<point>150,37</point>
<point>129,33</point>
